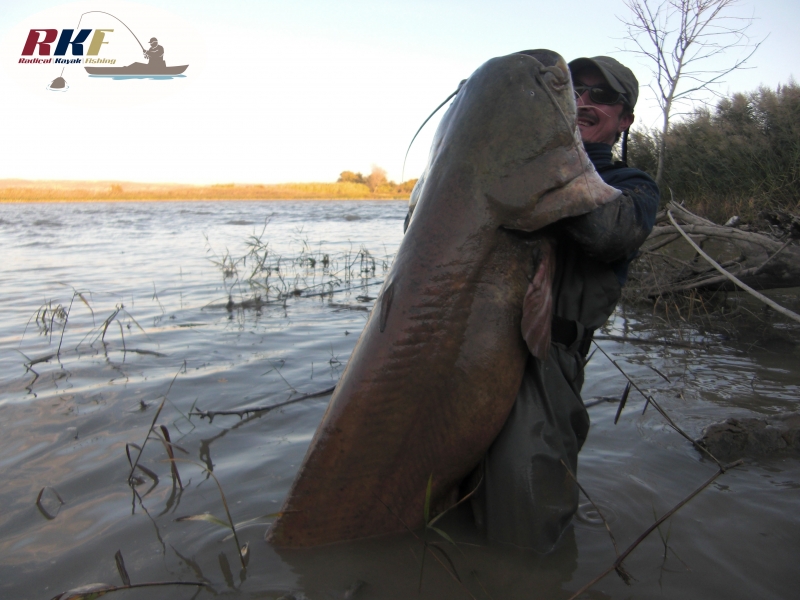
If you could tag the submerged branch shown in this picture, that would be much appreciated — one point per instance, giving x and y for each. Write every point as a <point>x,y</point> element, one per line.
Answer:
<point>95,591</point>
<point>243,412</point>
<point>617,565</point>
<point>649,342</point>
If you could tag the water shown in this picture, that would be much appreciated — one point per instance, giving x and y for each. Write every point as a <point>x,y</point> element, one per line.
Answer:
<point>64,428</point>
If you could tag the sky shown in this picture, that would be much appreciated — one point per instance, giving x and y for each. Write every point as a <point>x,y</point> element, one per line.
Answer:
<point>281,91</point>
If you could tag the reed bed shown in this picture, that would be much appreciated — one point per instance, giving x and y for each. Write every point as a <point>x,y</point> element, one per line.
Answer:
<point>22,191</point>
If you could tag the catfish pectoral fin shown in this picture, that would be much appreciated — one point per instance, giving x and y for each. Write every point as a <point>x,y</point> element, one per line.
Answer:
<point>537,312</point>
<point>386,305</point>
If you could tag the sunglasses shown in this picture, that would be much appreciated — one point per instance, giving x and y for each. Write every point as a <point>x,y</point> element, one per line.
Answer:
<point>599,94</point>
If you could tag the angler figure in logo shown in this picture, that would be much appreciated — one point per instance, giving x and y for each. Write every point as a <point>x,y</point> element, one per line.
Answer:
<point>155,55</point>
<point>154,67</point>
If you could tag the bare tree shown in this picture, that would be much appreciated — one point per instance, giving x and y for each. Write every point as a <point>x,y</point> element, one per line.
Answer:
<point>680,38</point>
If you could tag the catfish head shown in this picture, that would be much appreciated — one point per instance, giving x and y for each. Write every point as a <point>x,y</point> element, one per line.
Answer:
<point>510,138</point>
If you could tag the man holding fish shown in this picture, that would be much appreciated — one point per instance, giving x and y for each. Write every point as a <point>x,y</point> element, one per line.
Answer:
<point>528,498</point>
<point>510,228</point>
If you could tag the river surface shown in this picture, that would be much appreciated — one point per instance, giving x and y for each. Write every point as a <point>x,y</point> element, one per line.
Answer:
<point>145,301</point>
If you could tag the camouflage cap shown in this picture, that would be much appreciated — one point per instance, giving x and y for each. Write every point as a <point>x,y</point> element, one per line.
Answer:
<point>618,76</point>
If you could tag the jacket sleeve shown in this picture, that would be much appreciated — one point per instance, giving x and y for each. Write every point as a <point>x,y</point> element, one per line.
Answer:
<point>615,231</point>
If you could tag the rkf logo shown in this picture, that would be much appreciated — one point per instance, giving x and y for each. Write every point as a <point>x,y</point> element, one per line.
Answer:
<point>41,42</point>
<point>43,39</point>
<point>90,48</point>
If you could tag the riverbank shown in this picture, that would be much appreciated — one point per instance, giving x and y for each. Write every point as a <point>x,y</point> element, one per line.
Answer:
<point>20,190</point>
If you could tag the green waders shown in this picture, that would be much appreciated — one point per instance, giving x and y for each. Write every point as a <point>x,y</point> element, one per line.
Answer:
<point>528,497</point>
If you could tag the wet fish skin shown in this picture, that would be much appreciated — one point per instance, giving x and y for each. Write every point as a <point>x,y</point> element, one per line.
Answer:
<point>435,372</point>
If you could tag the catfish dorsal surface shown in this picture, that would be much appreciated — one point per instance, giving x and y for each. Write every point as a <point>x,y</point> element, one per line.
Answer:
<point>438,366</point>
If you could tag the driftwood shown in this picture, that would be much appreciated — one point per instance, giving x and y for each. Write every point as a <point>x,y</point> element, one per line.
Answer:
<point>758,260</point>
<point>738,282</point>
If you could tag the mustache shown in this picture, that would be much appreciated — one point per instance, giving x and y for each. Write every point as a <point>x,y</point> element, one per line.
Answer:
<point>590,111</point>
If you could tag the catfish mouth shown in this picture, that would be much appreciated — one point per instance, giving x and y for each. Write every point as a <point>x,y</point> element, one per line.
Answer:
<point>582,194</point>
<point>522,235</point>
<point>573,193</point>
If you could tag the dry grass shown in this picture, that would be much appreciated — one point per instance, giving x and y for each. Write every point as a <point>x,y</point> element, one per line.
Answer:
<point>106,191</point>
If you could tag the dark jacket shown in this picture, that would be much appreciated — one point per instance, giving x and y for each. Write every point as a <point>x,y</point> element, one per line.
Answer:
<point>614,232</point>
<point>595,249</point>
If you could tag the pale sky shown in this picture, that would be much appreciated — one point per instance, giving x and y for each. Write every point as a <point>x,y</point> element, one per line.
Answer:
<point>297,91</point>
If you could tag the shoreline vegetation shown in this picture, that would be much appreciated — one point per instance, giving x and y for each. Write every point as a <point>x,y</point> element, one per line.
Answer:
<point>739,158</point>
<point>116,191</point>
<point>350,186</point>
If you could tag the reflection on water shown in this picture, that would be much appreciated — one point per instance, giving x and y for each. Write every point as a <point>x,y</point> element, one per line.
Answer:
<point>67,421</point>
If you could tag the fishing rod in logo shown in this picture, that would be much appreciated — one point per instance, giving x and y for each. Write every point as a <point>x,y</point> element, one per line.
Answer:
<point>42,39</point>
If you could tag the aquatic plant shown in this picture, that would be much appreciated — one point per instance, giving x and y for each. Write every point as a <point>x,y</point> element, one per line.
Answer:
<point>56,318</point>
<point>260,275</point>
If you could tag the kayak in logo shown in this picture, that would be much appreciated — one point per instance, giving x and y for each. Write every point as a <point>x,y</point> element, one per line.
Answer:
<point>155,66</point>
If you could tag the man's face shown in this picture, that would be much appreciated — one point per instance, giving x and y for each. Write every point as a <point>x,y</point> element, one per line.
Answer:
<point>598,122</point>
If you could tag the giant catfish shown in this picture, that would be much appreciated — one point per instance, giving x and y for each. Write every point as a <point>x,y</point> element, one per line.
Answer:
<point>436,370</point>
